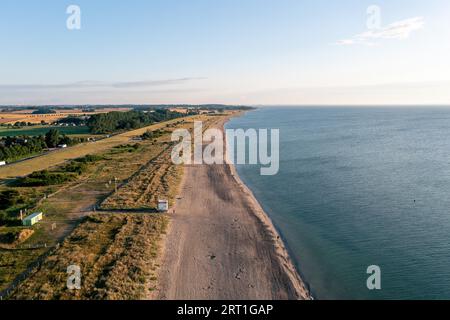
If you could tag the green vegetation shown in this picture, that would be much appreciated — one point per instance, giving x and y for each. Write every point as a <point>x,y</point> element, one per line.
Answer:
<point>125,148</point>
<point>12,201</point>
<point>149,134</point>
<point>118,121</point>
<point>78,121</point>
<point>65,173</point>
<point>41,130</point>
<point>16,148</point>
<point>45,178</point>
<point>52,138</point>
<point>44,110</point>
<point>89,159</point>
<point>9,198</point>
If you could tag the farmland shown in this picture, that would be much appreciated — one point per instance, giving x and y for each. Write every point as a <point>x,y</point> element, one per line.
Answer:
<point>9,117</point>
<point>42,130</point>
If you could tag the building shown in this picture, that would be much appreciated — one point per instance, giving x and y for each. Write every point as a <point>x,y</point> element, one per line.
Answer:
<point>163,205</point>
<point>2,163</point>
<point>62,146</point>
<point>33,219</point>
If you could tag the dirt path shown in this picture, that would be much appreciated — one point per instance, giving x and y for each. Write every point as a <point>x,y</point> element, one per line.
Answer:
<point>219,247</point>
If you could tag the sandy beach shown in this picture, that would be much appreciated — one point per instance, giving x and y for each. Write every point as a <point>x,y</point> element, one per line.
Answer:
<point>222,245</point>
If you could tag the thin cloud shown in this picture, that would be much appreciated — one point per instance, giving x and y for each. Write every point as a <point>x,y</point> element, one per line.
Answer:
<point>396,30</point>
<point>98,84</point>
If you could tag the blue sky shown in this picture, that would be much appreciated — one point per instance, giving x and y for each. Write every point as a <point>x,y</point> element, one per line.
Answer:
<point>225,51</point>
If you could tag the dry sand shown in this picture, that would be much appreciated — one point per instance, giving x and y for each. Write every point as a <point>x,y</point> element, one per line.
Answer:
<point>222,245</point>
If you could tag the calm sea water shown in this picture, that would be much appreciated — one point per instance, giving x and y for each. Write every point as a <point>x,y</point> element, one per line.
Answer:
<point>344,197</point>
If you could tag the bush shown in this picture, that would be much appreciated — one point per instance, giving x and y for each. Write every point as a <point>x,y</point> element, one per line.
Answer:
<point>45,178</point>
<point>75,167</point>
<point>9,198</point>
<point>89,159</point>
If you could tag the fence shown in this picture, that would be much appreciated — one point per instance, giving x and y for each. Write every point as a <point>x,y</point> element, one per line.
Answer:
<point>4,294</point>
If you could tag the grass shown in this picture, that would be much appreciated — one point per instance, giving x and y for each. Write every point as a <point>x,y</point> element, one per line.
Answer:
<point>115,254</point>
<point>42,130</point>
<point>57,157</point>
<point>73,200</point>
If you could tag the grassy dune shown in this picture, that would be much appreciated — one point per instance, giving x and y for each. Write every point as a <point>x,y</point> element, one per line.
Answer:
<point>116,253</point>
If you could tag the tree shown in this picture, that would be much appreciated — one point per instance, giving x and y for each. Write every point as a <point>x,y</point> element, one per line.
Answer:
<point>52,138</point>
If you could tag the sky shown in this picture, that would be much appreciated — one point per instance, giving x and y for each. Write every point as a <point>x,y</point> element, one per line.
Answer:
<point>247,52</point>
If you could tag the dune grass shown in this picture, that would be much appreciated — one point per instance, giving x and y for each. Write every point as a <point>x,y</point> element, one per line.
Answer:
<point>116,253</point>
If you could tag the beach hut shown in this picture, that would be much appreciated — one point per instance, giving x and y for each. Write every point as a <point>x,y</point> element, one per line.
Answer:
<point>33,219</point>
<point>163,205</point>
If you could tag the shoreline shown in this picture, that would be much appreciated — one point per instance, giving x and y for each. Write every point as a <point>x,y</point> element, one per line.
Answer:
<point>285,258</point>
<point>221,245</point>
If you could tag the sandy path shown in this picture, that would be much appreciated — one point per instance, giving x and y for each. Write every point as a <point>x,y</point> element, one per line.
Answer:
<point>221,245</point>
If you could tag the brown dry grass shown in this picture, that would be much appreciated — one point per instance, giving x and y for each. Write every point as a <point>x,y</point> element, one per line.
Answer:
<point>159,179</point>
<point>72,202</point>
<point>116,254</point>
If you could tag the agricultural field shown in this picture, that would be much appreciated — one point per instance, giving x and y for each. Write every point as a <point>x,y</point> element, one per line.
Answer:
<point>42,130</point>
<point>29,116</point>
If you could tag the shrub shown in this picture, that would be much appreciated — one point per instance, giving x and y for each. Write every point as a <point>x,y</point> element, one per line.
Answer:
<point>45,178</point>
<point>9,198</point>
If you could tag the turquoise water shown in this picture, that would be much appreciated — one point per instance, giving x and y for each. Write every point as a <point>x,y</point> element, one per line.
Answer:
<point>344,197</point>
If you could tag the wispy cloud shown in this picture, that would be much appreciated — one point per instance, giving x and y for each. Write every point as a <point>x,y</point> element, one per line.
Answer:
<point>396,30</point>
<point>98,84</point>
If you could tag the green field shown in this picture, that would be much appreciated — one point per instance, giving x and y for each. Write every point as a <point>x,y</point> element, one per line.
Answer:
<point>41,130</point>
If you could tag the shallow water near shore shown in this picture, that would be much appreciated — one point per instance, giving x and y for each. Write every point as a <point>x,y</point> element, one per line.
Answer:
<point>360,187</point>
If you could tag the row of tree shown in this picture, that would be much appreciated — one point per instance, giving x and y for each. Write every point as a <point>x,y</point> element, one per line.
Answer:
<point>15,148</point>
<point>121,121</point>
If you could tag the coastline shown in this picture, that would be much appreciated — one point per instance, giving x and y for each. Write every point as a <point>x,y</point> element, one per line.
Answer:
<point>283,254</point>
<point>221,245</point>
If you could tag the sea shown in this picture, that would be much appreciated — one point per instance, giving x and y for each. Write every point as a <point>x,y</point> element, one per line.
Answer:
<point>360,187</point>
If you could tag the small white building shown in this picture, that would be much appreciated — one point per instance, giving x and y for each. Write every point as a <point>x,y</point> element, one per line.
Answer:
<point>163,205</point>
<point>33,219</point>
<point>62,146</point>
<point>2,163</point>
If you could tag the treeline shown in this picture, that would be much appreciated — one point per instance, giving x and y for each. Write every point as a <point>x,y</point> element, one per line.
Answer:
<point>15,148</point>
<point>120,121</point>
